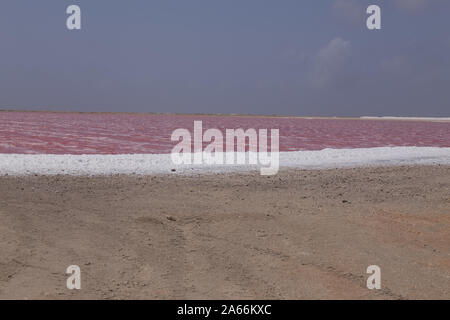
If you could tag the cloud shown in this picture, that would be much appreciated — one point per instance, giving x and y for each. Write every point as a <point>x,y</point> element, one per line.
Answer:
<point>351,11</point>
<point>329,61</point>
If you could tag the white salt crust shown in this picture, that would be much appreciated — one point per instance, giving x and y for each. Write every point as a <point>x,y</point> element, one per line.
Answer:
<point>148,164</point>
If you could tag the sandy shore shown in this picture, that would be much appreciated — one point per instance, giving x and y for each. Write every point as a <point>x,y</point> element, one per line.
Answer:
<point>300,235</point>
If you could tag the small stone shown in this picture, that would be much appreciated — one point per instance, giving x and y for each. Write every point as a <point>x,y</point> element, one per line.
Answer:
<point>170,218</point>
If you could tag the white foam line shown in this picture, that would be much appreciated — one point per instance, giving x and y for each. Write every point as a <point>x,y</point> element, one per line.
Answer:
<point>21,164</point>
<point>408,118</point>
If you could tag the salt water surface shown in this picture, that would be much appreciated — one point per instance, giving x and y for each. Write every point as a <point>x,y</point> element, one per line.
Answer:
<point>110,143</point>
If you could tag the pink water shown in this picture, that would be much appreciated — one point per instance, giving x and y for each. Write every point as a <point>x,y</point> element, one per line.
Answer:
<point>75,133</point>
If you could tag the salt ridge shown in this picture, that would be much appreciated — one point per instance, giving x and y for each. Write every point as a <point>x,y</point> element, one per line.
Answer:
<point>146,164</point>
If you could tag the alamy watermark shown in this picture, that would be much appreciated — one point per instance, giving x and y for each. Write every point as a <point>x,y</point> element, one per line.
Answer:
<point>373,22</point>
<point>238,148</point>
<point>74,280</point>
<point>374,280</point>
<point>73,22</point>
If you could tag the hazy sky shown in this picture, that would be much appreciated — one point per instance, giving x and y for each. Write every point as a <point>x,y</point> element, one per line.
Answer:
<point>293,57</point>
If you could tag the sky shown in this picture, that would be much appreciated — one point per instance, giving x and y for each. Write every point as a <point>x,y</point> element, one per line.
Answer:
<point>286,57</point>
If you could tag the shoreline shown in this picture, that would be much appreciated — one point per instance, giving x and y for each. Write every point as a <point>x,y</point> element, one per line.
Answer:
<point>302,234</point>
<point>384,118</point>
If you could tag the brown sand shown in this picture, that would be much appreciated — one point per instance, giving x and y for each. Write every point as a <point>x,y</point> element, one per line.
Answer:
<point>299,235</point>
